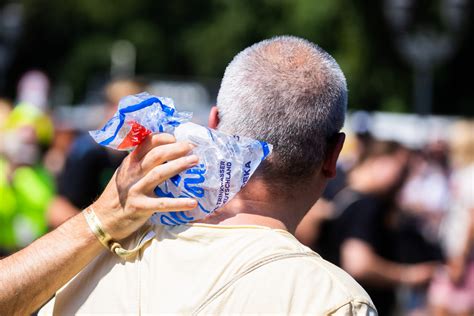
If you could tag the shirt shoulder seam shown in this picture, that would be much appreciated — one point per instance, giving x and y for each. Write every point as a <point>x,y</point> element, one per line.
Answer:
<point>256,265</point>
<point>350,302</point>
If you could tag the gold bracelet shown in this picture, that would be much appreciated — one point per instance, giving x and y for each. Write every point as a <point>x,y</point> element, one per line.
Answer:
<point>96,227</point>
<point>106,240</point>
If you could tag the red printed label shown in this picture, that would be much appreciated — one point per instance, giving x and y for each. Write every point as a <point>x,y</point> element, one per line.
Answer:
<point>135,136</point>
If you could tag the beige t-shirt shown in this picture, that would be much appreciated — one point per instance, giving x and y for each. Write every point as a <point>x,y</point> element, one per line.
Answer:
<point>209,269</point>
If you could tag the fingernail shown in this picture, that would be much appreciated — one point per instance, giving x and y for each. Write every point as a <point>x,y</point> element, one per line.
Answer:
<point>193,159</point>
<point>192,203</point>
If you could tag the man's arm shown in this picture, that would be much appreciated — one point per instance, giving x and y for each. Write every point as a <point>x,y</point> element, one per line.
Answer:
<point>360,261</point>
<point>31,276</point>
<point>308,229</point>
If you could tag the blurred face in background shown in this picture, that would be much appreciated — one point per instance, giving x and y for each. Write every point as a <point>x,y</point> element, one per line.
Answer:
<point>21,147</point>
<point>383,173</point>
<point>116,90</point>
<point>389,171</point>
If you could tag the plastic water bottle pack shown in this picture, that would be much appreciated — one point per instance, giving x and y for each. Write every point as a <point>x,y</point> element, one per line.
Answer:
<point>226,162</point>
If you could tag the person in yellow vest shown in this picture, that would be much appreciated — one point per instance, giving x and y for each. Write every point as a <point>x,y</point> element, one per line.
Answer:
<point>25,186</point>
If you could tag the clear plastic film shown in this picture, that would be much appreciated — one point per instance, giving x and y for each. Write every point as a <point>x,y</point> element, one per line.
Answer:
<point>226,162</point>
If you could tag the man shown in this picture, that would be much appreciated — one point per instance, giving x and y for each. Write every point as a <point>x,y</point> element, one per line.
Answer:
<point>244,258</point>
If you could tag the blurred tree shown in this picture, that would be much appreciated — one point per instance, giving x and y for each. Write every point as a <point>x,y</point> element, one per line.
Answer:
<point>71,41</point>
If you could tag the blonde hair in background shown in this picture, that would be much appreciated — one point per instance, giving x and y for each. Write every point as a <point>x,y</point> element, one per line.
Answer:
<point>119,88</point>
<point>462,143</point>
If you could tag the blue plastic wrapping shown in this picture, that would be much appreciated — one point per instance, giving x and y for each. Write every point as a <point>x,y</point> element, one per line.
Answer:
<point>226,162</point>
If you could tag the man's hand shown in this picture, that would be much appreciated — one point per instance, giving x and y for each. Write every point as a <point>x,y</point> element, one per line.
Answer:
<point>360,260</point>
<point>128,200</point>
<point>418,274</point>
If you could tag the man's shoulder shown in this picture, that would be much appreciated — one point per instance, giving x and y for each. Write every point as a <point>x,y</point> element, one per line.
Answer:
<point>320,271</point>
<point>294,283</point>
<point>262,253</point>
<point>301,284</point>
<point>318,274</point>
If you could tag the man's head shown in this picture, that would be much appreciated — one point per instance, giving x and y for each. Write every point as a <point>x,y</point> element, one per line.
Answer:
<point>288,92</point>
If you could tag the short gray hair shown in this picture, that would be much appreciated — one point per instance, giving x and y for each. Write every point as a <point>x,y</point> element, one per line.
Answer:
<point>288,92</point>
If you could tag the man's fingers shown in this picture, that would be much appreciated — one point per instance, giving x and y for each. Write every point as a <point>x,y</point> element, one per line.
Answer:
<point>168,204</point>
<point>160,154</point>
<point>162,172</point>
<point>150,142</point>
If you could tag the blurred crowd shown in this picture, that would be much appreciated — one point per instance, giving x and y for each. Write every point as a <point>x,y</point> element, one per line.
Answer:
<point>398,219</point>
<point>49,168</point>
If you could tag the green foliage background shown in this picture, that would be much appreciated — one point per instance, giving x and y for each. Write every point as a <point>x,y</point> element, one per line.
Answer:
<point>71,41</point>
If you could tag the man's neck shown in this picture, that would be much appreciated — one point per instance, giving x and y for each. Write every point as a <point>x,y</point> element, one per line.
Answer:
<point>224,218</point>
<point>255,205</point>
<point>242,212</point>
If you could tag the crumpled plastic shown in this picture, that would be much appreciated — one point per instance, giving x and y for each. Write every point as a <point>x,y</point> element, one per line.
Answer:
<point>226,162</point>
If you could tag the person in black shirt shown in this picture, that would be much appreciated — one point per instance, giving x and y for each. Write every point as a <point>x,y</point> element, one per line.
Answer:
<point>360,235</point>
<point>360,225</point>
<point>88,169</point>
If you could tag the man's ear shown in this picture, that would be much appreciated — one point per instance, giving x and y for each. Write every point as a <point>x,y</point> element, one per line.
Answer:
<point>213,118</point>
<point>332,153</point>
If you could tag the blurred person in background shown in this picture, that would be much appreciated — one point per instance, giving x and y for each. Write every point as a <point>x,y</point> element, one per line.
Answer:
<point>5,108</point>
<point>452,290</point>
<point>54,159</point>
<point>426,193</point>
<point>26,188</point>
<point>360,235</point>
<point>423,201</point>
<point>89,166</point>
